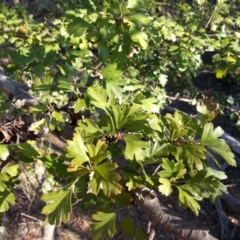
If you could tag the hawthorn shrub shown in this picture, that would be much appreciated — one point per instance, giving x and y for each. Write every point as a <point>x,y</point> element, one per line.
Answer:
<point>98,71</point>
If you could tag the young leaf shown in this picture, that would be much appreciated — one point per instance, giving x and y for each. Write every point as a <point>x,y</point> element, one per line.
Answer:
<point>12,170</point>
<point>141,38</point>
<point>103,224</point>
<point>172,170</point>
<point>135,147</point>
<point>165,187</point>
<point>132,180</point>
<point>102,178</point>
<point>80,105</point>
<point>111,73</point>
<point>150,105</point>
<point>186,200</point>
<point>99,95</point>
<point>76,149</point>
<point>4,152</point>
<point>191,153</point>
<point>97,153</point>
<point>59,205</point>
<point>221,72</point>
<point>218,174</point>
<point>90,126</point>
<point>3,178</point>
<point>6,198</point>
<point>210,139</point>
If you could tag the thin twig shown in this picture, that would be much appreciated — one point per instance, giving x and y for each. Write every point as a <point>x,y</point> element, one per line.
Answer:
<point>210,19</point>
<point>188,100</point>
<point>28,216</point>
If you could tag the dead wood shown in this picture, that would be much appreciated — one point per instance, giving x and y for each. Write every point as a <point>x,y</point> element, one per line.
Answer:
<point>16,90</point>
<point>224,222</point>
<point>165,219</point>
<point>232,203</point>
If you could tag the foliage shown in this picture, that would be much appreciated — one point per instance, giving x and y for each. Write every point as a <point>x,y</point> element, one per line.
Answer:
<point>108,62</point>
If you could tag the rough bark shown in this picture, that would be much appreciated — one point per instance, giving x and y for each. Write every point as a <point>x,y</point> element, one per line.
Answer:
<point>16,90</point>
<point>163,218</point>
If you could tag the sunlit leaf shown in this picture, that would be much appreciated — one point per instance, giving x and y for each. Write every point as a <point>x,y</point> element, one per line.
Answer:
<point>4,152</point>
<point>103,225</point>
<point>76,150</point>
<point>104,178</point>
<point>59,205</point>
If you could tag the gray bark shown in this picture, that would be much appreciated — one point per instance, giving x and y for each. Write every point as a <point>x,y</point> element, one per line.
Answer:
<point>16,90</point>
<point>163,218</point>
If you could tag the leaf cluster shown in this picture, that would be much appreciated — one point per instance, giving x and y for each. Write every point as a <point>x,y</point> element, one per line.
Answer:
<point>105,64</point>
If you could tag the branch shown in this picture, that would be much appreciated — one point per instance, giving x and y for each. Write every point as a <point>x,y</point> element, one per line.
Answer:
<point>17,90</point>
<point>163,218</point>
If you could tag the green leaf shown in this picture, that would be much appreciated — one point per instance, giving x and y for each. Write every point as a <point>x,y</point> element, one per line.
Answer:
<point>127,227</point>
<point>37,126</point>
<point>141,38</point>
<point>186,200</point>
<point>76,150</point>
<point>177,126</point>
<point>4,152</point>
<point>103,178</point>
<point>132,180</point>
<point>98,153</point>
<point>165,187</point>
<point>135,147</point>
<point>140,18</point>
<point>140,235</point>
<point>3,178</point>
<point>231,58</point>
<point>191,153</point>
<point>12,170</point>
<point>6,198</point>
<point>115,88</point>
<point>80,105</point>
<point>135,4</point>
<point>78,26</point>
<point>172,170</point>
<point>103,50</point>
<point>90,126</point>
<point>202,184</point>
<point>147,177</point>
<point>207,110</point>
<point>218,174</point>
<point>99,95</point>
<point>111,73</point>
<point>150,105</point>
<point>29,150</point>
<point>158,150</point>
<point>103,224</point>
<point>221,72</point>
<point>58,116</point>
<point>59,205</point>
<point>210,139</point>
